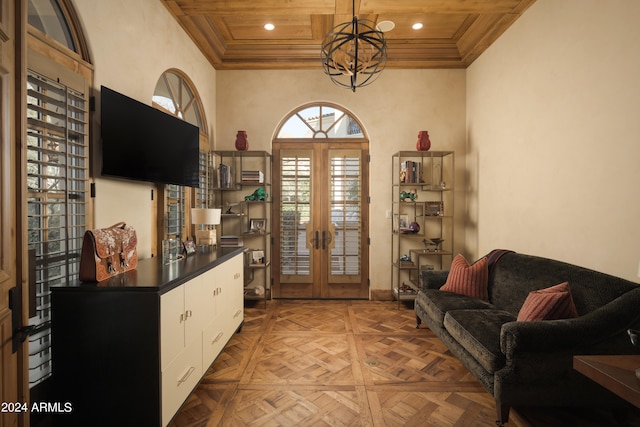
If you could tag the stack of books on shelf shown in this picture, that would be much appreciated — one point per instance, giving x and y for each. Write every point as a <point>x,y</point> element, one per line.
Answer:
<point>230,241</point>
<point>225,176</point>
<point>256,177</point>
<point>411,172</point>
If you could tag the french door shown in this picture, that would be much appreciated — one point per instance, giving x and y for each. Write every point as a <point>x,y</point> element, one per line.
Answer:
<point>321,219</point>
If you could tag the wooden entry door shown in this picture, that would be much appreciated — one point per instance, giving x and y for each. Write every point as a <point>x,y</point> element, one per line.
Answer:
<point>321,219</point>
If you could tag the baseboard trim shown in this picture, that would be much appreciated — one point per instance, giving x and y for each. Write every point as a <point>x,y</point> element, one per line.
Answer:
<point>381,295</point>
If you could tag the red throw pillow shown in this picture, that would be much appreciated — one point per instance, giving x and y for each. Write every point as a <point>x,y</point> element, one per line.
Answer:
<point>470,280</point>
<point>548,304</point>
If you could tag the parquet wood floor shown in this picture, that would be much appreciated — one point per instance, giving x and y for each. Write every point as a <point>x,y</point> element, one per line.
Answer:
<point>351,363</point>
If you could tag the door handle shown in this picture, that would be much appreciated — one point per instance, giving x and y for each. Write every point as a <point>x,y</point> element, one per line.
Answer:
<point>327,238</point>
<point>21,332</point>
<point>315,241</point>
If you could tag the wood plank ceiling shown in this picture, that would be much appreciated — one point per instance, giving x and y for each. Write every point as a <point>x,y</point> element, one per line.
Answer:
<point>231,33</point>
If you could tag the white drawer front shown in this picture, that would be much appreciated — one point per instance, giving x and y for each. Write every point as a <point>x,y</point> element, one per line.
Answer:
<point>232,323</point>
<point>214,338</point>
<point>180,378</point>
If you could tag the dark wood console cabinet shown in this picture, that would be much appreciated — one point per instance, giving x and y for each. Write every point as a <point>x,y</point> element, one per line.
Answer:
<point>128,351</point>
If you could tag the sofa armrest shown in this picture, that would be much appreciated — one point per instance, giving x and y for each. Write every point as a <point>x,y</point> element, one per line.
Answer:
<point>603,331</point>
<point>433,279</point>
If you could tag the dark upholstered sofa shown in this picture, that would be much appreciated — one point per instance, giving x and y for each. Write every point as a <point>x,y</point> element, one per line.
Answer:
<point>530,363</point>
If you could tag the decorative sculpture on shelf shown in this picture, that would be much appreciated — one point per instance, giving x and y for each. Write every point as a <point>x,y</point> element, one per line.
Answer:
<point>414,227</point>
<point>410,196</point>
<point>424,143</point>
<point>258,195</point>
<point>241,141</point>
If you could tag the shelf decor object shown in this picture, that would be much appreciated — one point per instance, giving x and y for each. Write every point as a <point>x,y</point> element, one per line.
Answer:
<point>354,53</point>
<point>423,143</point>
<point>241,141</point>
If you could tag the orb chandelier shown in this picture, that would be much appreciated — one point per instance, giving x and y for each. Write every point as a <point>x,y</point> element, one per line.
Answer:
<point>354,53</point>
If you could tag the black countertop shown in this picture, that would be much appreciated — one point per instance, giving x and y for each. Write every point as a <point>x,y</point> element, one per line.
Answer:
<point>154,276</point>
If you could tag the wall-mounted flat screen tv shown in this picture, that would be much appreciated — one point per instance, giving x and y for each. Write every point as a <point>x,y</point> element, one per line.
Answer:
<point>143,143</point>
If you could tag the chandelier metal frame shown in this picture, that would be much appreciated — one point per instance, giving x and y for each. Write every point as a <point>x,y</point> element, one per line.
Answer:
<point>354,49</point>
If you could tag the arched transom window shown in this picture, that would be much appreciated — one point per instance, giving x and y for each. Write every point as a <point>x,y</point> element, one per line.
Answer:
<point>320,121</point>
<point>174,94</point>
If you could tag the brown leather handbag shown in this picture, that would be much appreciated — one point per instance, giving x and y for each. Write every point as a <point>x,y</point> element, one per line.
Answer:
<point>107,252</point>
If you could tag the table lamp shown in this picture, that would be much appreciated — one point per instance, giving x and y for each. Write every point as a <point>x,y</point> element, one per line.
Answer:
<point>209,218</point>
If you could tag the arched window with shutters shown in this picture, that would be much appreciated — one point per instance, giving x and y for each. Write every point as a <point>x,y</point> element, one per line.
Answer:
<point>175,94</point>
<point>57,162</point>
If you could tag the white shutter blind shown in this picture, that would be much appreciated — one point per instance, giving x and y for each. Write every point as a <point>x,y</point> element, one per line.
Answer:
<point>295,209</point>
<point>57,181</point>
<point>346,219</point>
<point>175,195</point>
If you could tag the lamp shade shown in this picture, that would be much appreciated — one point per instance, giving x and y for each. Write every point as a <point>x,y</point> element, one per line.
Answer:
<point>205,216</point>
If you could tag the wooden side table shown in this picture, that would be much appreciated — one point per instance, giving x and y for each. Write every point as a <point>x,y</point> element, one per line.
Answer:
<point>615,373</point>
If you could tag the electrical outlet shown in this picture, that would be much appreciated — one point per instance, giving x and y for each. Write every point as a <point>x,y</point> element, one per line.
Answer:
<point>388,216</point>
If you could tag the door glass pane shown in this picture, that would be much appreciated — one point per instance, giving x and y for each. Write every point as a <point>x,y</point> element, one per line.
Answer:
<point>295,208</point>
<point>346,219</point>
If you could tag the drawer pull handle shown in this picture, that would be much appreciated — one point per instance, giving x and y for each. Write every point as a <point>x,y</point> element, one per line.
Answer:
<point>189,313</point>
<point>237,313</point>
<point>182,318</point>
<point>186,376</point>
<point>216,339</point>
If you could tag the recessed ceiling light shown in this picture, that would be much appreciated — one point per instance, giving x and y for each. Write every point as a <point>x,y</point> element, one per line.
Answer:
<point>385,26</point>
<point>269,27</point>
<point>417,26</point>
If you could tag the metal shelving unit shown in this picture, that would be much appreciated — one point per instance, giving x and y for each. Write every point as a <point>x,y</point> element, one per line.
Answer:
<point>422,217</point>
<point>246,223</point>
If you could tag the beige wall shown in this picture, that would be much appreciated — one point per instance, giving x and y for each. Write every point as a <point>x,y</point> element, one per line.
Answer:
<point>554,136</point>
<point>544,125</point>
<point>132,43</point>
<point>393,109</point>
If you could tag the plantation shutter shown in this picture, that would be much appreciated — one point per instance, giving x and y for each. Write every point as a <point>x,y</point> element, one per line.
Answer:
<point>57,197</point>
<point>346,217</point>
<point>295,207</point>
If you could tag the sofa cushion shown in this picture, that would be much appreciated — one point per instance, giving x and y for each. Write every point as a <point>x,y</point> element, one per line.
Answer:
<point>436,303</point>
<point>548,304</point>
<point>478,332</point>
<point>469,280</point>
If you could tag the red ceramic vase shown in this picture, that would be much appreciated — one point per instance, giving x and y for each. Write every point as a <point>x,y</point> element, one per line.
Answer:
<point>241,141</point>
<point>424,143</point>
